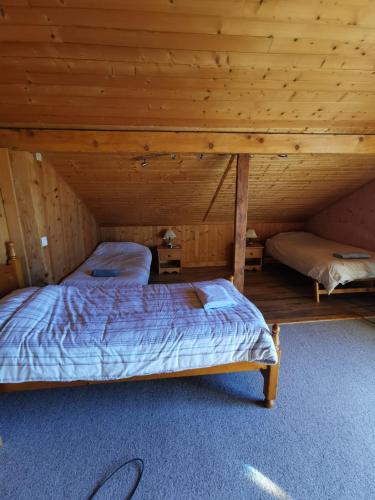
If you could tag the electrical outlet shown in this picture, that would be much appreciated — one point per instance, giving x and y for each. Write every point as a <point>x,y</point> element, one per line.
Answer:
<point>38,156</point>
<point>44,241</point>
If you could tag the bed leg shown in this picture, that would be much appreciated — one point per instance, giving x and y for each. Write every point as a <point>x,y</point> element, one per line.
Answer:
<point>271,373</point>
<point>316,292</point>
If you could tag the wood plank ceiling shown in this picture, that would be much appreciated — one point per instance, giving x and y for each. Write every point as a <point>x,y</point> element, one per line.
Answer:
<point>179,189</point>
<point>264,65</point>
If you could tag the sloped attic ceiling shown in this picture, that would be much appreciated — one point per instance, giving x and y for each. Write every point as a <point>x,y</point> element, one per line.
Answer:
<point>179,189</point>
<point>266,65</point>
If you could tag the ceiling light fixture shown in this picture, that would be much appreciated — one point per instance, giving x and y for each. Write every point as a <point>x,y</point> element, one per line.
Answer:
<point>283,155</point>
<point>144,163</point>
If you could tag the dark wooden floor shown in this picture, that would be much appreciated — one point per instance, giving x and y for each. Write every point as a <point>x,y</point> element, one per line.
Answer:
<point>283,295</point>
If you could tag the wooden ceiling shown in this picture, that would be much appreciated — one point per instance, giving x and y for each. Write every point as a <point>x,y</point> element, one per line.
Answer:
<point>264,65</point>
<point>180,189</point>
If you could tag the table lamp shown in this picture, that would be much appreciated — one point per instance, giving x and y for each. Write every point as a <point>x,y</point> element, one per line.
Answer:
<point>250,236</point>
<point>168,237</point>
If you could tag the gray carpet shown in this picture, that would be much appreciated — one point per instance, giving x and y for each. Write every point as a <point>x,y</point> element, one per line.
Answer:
<point>207,437</point>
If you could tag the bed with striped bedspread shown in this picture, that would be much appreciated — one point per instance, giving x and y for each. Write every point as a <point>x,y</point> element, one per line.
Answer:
<point>131,260</point>
<point>67,333</point>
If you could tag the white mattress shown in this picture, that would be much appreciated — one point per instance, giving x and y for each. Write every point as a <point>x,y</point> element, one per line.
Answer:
<point>312,256</point>
<point>131,259</point>
<point>59,333</point>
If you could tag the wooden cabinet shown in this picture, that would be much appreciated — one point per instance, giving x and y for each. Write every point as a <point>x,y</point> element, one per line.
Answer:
<point>169,259</point>
<point>254,257</point>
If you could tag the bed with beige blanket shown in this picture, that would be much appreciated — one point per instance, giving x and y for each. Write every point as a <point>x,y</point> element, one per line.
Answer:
<point>314,257</point>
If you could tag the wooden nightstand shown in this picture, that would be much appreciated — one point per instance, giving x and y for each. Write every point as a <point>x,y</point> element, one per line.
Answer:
<point>169,259</point>
<point>254,257</point>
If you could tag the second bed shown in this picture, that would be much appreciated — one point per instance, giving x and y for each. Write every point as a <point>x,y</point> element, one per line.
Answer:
<point>314,257</point>
<point>130,261</point>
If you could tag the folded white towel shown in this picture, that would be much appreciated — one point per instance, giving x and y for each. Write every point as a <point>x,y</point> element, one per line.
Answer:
<point>214,296</point>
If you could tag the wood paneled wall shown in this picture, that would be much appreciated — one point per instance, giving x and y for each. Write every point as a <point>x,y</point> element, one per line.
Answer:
<point>12,228</point>
<point>351,220</point>
<point>4,233</point>
<point>49,207</point>
<point>202,244</point>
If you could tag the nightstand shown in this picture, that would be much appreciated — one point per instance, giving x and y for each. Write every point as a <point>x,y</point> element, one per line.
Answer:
<point>169,259</point>
<point>254,257</point>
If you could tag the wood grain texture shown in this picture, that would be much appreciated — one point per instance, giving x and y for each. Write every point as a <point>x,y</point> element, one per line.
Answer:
<point>295,187</point>
<point>8,279</point>
<point>48,207</point>
<point>240,219</point>
<point>4,233</point>
<point>175,56</point>
<point>203,245</point>
<point>351,220</point>
<point>145,142</point>
<point>179,189</point>
<point>283,295</point>
<point>219,186</point>
<point>12,212</point>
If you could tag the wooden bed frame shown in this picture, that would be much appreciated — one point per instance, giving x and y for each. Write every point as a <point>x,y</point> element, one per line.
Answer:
<point>368,288</point>
<point>11,274</point>
<point>11,278</point>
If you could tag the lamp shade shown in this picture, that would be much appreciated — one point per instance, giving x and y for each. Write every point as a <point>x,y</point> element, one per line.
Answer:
<point>251,234</point>
<point>169,235</point>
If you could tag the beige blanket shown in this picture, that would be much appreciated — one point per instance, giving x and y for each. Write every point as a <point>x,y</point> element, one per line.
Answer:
<point>312,256</point>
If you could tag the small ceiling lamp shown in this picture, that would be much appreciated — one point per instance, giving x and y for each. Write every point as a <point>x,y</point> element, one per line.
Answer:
<point>168,237</point>
<point>144,163</point>
<point>251,236</point>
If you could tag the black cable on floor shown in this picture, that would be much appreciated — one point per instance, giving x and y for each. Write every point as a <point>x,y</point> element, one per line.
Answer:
<point>130,495</point>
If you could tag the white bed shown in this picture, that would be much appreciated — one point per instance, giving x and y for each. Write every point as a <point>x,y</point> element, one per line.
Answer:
<point>60,335</point>
<point>98,333</point>
<point>313,256</point>
<point>132,260</point>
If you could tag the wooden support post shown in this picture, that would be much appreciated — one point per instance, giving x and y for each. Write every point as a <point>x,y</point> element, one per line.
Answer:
<point>271,373</point>
<point>240,223</point>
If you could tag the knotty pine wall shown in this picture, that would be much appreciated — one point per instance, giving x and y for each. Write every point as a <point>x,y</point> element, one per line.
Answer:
<point>4,233</point>
<point>203,244</point>
<point>350,220</point>
<point>48,207</point>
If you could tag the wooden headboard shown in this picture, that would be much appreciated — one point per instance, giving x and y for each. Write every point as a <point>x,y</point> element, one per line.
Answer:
<point>11,274</point>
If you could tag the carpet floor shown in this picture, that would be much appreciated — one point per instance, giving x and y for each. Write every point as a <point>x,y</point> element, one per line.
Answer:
<point>207,437</point>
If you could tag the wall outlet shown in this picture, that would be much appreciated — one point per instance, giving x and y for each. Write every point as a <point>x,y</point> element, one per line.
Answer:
<point>44,241</point>
<point>38,156</point>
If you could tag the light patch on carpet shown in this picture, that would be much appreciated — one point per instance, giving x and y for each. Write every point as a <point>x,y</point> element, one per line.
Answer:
<point>264,483</point>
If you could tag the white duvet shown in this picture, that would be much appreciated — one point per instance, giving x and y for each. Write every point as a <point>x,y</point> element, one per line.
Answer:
<point>131,259</point>
<point>313,256</point>
<point>61,333</point>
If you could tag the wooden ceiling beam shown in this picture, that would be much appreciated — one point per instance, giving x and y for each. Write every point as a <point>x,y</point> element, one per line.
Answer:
<point>91,141</point>
<point>217,191</point>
